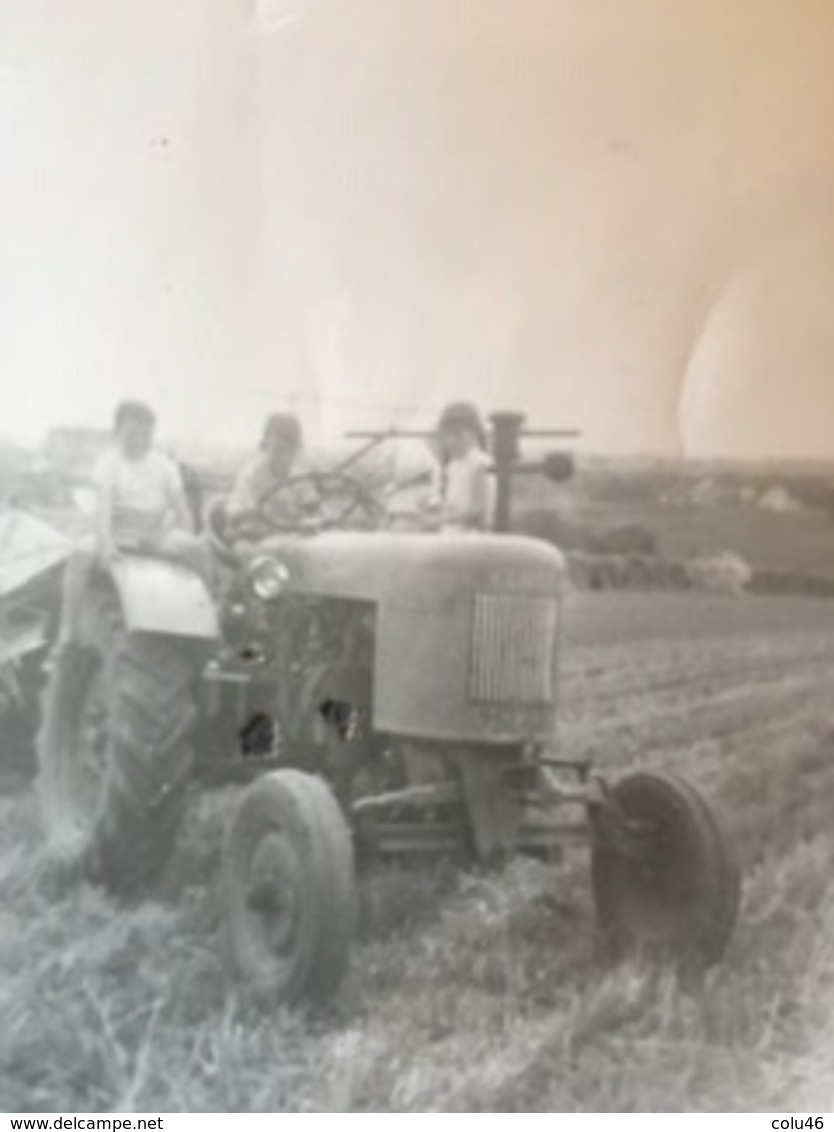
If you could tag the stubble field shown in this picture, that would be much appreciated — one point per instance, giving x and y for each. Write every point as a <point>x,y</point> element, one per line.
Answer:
<point>483,993</point>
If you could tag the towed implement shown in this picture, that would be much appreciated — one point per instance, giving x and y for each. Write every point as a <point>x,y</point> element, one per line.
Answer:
<point>377,695</point>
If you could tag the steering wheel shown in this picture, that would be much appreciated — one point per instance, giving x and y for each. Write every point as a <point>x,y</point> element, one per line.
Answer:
<point>218,524</point>
<point>326,483</point>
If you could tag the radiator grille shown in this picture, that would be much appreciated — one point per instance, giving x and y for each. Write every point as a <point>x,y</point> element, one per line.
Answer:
<point>513,649</point>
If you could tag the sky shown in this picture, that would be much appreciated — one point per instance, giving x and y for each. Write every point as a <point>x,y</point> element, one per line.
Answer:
<point>616,216</point>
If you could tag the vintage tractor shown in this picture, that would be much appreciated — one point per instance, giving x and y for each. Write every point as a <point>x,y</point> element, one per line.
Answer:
<point>378,695</point>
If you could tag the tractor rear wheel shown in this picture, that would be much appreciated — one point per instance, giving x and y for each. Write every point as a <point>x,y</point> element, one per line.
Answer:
<point>116,748</point>
<point>680,893</point>
<point>287,889</point>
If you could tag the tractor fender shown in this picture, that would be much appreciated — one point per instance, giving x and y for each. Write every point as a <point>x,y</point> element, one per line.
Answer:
<point>159,596</point>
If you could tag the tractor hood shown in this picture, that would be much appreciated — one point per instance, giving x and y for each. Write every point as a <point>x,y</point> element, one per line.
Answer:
<point>368,566</point>
<point>466,628</point>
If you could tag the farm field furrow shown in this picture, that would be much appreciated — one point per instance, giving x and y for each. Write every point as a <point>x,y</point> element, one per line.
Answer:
<point>624,618</point>
<point>688,709</point>
<point>482,992</point>
<point>688,670</point>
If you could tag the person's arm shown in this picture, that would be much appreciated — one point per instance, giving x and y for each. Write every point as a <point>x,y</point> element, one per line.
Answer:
<point>310,499</point>
<point>434,502</point>
<point>481,497</point>
<point>102,481</point>
<point>183,519</point>
<point>244,526</point>
<point>243,499</point>
<point>104,525</point>
<point>472,509</point>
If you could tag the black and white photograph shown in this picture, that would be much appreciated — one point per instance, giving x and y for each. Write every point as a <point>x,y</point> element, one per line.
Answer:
<point>416,557</point>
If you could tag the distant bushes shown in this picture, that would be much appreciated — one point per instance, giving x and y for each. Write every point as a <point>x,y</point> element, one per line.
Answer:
<point>625,556</point>
<point>791,582</point>
<point>590,539</point>
<point>626,572</point>
<point>720,574</point>
<point>637,483</point>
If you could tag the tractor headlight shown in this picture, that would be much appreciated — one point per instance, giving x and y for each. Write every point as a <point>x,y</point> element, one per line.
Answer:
<point>267,577</point>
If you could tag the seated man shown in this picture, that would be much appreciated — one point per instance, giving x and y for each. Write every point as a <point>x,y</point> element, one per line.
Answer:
<point>462,498</point>
<point>140,507</point>
<point>265,501</point>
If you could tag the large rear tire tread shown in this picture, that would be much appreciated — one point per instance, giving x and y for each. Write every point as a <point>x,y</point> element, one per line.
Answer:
<point>303,807</point>
<point>698,932</point>
<point>728,888</point>
<point>150,750</point>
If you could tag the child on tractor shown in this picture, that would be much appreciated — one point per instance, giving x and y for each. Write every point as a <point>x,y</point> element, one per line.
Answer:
<point>140,508</point>
<point>272,493</point>
<point>462,493</point>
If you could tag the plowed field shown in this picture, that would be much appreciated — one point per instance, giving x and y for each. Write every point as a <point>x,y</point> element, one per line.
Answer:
<point>474,992</point>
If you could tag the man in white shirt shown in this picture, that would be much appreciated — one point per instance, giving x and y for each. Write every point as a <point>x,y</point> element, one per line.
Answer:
<point>462,497</point>
<point>141,507</point>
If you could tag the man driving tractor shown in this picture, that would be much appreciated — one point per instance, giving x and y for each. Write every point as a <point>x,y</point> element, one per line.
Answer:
<point>140,507</point>
<point>272,491</point>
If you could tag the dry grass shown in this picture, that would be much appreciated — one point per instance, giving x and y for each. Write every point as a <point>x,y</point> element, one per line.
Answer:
<point>481,993</point>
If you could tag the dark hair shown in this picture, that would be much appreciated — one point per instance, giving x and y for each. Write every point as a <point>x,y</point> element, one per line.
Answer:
<point>285,425</point>
<point>462,414</point>
<point>136,411</point>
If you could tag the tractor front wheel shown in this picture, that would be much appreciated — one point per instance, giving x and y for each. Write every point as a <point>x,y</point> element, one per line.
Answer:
<point>287,889</point>
<point>669,880</point>
<point>116,749</point>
